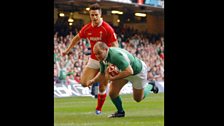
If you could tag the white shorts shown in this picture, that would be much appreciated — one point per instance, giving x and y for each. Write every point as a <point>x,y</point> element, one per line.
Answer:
<point>92,63</point>
<point>139,81</point>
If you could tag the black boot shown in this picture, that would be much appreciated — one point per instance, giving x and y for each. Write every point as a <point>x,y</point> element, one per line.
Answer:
<point>155,89</point>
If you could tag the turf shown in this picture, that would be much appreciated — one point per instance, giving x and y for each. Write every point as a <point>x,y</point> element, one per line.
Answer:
<point>80,111</point>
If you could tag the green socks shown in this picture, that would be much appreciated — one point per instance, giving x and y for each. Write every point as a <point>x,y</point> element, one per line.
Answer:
<point>147,90</point>
<point>118,103</point>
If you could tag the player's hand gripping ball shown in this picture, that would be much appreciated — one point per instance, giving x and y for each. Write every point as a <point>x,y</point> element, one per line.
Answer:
<point>113,70</point>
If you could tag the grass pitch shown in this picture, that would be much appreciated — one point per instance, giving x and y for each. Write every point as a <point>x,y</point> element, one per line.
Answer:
<point>80,111</point>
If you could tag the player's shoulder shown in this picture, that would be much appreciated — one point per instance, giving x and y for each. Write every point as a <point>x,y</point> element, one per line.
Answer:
<point>112,49</point>
<point>86,26</point>
<point>116,48</point>
<point>115,51</point>
<point>106,25</point>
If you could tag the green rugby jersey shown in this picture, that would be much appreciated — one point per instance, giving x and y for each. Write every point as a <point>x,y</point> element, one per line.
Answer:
<point>121,58</point>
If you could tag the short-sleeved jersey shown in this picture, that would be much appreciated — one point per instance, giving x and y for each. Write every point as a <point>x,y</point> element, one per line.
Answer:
<point>122,59</point>
<point>103,32</point>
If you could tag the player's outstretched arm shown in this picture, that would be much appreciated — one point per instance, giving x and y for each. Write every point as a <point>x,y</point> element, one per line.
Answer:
<point>74,41</point>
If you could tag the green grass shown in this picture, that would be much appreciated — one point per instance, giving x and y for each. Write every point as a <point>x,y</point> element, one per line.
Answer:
<point>80,111</point>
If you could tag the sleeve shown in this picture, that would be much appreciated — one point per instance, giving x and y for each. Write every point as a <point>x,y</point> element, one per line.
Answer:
<point>121,62</point>
<point>111,37</point>
<point>82,32</point>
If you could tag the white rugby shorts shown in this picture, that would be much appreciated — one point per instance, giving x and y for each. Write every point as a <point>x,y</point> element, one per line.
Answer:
<point>92,63</point>
<point>139,81</point>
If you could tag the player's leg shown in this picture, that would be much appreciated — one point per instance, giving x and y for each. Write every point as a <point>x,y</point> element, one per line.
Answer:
<point>142,91</point>
<point>148,87</point>
<point>87,74</point>
<point>141,87</point>
<point>92,66</point>
<point>89,71</point>
<point>101,94</point>
<point>114,91</point>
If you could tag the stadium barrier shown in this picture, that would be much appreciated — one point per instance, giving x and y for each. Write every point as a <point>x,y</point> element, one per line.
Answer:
<point>75,89</point>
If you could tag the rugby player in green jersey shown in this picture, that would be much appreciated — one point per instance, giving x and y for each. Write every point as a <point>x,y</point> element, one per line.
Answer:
<point>131,69</point>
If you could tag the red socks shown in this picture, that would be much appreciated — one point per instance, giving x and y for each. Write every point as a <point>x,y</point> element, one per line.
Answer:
<point>100,101</point>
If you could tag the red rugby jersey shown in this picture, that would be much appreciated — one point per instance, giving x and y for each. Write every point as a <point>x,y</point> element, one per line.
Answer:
<point>103,32</point>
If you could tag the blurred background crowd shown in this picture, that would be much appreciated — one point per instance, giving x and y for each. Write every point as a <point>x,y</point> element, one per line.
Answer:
<point>146,46</point>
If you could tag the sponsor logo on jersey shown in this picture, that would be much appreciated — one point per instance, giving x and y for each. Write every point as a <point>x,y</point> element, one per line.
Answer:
<point>94,38</point>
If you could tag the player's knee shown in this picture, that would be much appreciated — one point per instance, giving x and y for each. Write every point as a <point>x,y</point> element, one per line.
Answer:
<point>137,99</point>
<point>112,95</point>
<point>83,83</point>
<point>102,88</point>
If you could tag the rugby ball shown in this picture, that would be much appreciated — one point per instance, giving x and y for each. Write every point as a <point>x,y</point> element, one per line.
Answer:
<point>113,70</point>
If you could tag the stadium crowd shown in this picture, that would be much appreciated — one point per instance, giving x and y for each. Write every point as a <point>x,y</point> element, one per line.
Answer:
<point>147,47</point>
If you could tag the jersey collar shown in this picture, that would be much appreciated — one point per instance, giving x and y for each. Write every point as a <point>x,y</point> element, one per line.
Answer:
<point>101,21</point>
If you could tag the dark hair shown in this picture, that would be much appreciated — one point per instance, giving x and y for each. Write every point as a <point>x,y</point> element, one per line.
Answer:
<point>95,6</point>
